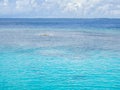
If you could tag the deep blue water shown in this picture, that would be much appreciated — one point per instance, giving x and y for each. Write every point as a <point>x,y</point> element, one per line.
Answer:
<point>59,54</point>
<point>60,23</point>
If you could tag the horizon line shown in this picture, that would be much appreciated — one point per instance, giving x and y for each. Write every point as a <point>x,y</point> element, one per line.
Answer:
<point>52,18</point>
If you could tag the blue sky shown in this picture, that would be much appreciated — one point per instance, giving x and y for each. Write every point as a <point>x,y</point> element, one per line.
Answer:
<point>60,8</point>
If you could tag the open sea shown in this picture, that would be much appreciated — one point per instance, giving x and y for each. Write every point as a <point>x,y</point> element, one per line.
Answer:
<point>59,54</point>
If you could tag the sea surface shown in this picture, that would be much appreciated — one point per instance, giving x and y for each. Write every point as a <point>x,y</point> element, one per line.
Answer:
<point>59,54</point>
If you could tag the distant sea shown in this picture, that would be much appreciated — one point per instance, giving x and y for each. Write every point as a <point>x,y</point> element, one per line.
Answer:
<point>59,54</point>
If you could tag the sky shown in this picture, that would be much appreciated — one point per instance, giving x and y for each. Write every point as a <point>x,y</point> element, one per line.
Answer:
<point>59,8</point>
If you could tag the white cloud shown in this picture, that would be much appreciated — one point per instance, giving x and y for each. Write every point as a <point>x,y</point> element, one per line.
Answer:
<point>73,6</point>
<point>86,8</point>
<point>115,12</point>
<point>20,4</point>
<point>80,8</point>
<point>108,10</point>
<point>5,2</point>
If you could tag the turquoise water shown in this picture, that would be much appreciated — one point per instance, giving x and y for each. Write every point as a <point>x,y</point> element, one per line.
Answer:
<point>60,58</point>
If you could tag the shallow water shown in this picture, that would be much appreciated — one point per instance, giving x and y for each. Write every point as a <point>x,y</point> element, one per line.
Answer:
<point>59,58</point>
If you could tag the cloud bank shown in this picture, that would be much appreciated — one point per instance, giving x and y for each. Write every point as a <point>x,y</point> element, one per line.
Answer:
<point>60,8</point>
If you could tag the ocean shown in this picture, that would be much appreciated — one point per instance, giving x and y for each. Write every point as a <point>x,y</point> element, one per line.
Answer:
<point>59,54</point>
